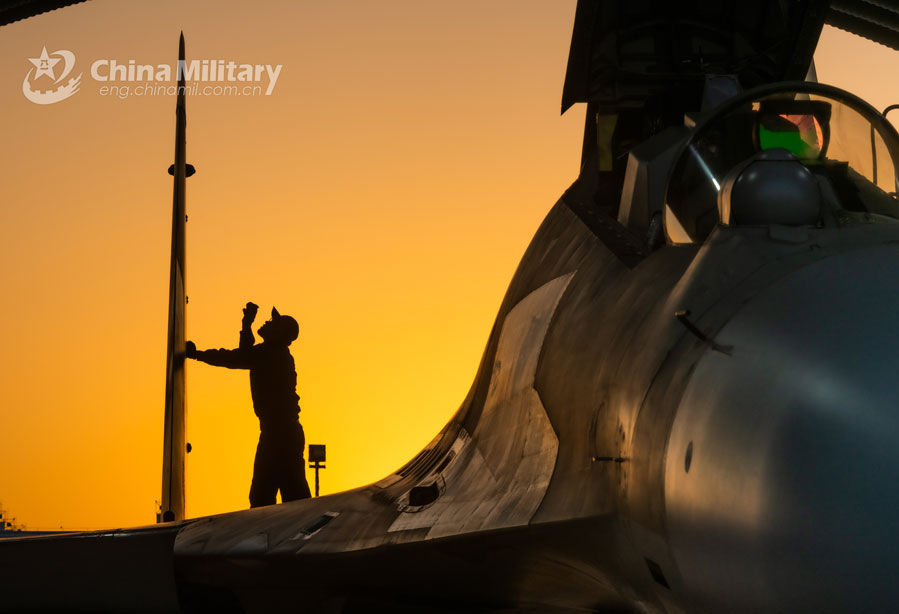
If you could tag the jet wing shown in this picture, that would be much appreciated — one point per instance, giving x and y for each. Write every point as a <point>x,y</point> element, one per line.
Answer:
<point>120,570</point>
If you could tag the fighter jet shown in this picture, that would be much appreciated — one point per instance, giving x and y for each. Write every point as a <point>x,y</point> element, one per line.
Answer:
<point>687,402</point>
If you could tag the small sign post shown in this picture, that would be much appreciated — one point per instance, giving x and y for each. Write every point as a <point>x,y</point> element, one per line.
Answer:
<point>316,460</point>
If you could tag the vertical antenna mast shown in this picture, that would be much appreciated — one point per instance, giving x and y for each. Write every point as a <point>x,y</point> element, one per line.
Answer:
<point>174,450</point>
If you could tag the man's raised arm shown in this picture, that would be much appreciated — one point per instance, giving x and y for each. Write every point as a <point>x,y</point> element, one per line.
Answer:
<point>246,332</point>
<point>232,359</point>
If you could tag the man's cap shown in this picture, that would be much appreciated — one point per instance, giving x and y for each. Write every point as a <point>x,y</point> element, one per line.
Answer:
<point>287,328</point>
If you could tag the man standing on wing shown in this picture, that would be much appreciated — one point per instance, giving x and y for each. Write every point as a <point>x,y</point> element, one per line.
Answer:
<point>279,463</point>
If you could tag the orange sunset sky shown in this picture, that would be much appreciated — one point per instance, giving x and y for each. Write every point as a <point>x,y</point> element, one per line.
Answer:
<point>382,195</point>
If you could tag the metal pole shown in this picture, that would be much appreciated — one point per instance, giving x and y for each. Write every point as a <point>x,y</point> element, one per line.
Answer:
<point>316,465</point>
<point>316,460</point>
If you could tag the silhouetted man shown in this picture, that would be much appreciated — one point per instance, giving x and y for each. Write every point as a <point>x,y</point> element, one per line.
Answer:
<point>279,463</point>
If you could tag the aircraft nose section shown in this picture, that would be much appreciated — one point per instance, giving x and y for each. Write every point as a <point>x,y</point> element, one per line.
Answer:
<point>782,474</point>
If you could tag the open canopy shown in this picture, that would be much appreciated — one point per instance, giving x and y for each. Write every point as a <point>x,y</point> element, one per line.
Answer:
<point>15,10</point>
<point>625,52</point>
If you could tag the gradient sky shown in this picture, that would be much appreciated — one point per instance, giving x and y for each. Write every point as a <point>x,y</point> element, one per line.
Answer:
<point>382,195</point>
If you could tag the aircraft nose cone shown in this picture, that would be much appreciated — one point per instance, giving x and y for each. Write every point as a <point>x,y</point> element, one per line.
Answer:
<point>782,474</point>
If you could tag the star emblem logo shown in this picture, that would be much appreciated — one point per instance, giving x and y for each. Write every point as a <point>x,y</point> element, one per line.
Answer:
<point>44,64</point>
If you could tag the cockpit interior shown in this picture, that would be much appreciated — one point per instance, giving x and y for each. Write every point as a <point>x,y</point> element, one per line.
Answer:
<point>790,154</point>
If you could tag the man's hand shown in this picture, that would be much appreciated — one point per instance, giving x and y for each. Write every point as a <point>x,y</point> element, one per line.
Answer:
<point>249,314</point>
<point>190,350</point>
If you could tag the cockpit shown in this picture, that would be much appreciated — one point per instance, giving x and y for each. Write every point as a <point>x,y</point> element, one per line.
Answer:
<point>791,154</point>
